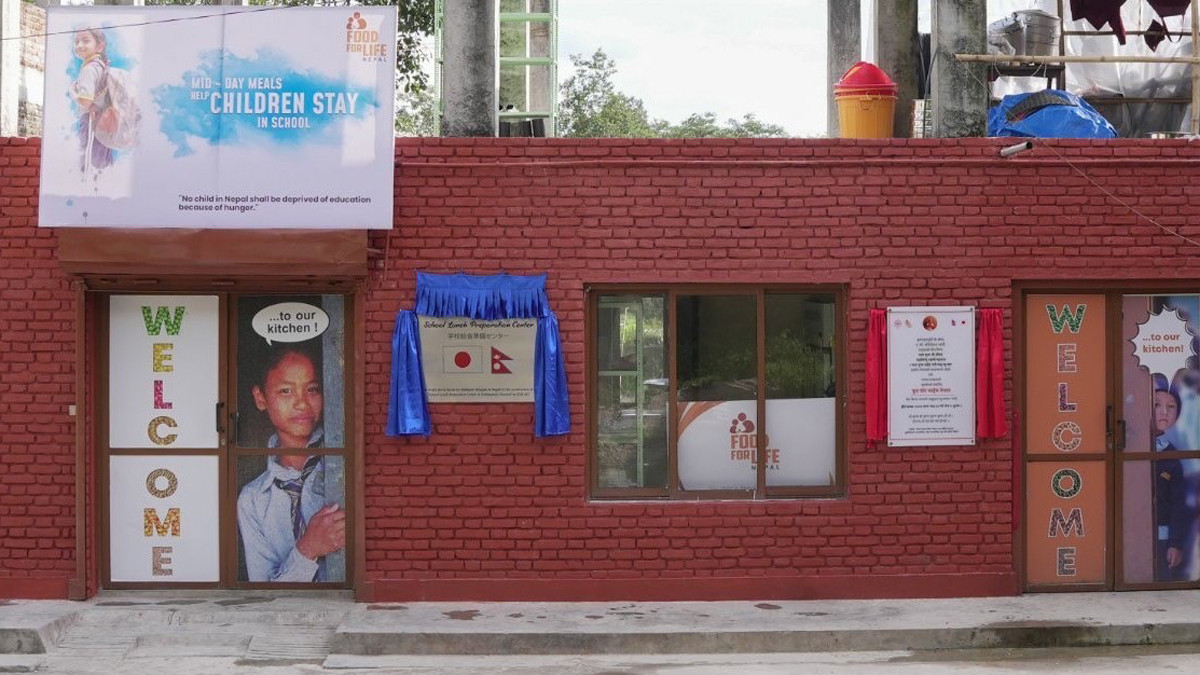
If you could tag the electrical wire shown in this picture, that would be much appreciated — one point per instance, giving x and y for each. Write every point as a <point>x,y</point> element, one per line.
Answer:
<point>177,19</point>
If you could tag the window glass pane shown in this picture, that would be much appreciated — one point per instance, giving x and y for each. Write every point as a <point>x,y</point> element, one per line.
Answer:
<point>1161,409</point>
<point>291,372</point>
<point>525,88</point>
<point>1159,520</point>
<point>631,392</point>
<point>716,366</point>
<point>525,39</point>
<point>718,351</point>
<point>525,6</point>
<point>163,364</point>
<point>801,411</point>
<point>539,39</point>
<point>291,502</point>
<point>514,38</point>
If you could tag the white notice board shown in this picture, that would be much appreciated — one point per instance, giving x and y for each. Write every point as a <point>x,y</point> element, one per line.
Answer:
<point>931,376</point>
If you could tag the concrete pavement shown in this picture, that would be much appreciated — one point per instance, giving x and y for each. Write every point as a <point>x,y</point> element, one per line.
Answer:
<point>328,630</point>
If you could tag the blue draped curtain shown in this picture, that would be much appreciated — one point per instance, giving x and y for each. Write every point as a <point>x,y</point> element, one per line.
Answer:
<point>408,408</point>
<point>484,298</point>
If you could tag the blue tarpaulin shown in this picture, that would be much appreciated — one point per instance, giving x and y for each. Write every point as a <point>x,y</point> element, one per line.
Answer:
<point>1047,114</point>
<point>485,298</point>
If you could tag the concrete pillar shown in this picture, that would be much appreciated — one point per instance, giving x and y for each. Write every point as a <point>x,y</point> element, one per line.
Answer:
<point>469,53</point>
<point>958,95</point>
<point>898,53</point>
<point>844,30</point>
<point>10,67</point>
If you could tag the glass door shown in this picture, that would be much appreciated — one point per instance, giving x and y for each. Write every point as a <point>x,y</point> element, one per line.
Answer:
<point>224,448</point>
<point>1112,440</point>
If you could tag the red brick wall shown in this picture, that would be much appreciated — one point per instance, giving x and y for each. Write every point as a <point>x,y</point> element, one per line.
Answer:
<point>927,222</point>
<point>483,510</point>
<point>37,385</point>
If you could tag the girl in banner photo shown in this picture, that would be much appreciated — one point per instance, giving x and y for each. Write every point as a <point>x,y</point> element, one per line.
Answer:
<point>91,47</point>
<point>108,114</point>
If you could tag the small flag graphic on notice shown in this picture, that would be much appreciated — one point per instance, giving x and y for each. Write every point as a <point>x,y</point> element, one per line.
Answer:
<point>462,359</point>
<point>498,365</point>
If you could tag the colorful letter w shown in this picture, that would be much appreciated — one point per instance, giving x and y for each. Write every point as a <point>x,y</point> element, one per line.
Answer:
<point>1059,321</point>
<point>155,323</point>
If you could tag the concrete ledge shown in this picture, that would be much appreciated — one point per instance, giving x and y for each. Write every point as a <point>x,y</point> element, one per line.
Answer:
<point>32,627</point>
<point>1034,621</point>
<point>475,644</point>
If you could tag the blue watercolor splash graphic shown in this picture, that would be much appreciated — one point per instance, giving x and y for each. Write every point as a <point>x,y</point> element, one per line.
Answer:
<point>184,118</point>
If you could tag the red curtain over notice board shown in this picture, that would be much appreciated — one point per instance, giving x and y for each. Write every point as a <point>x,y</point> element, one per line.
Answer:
<point>990,416</point>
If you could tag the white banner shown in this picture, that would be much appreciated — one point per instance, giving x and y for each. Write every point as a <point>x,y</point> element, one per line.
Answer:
<point>718,444</point>
<point>219,117</point>
<point>163,523</point>
<point>470,361</point>
<point>162,371</point>
<point>931,376</point>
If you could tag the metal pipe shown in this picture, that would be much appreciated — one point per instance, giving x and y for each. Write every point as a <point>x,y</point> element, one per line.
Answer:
<point>1195,68</point>
<point>1016,149</point>
<point>1000,58</point>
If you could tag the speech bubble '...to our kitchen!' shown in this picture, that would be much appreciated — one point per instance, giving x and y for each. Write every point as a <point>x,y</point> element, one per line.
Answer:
<point>1163,343</point>
<point>290,322</point>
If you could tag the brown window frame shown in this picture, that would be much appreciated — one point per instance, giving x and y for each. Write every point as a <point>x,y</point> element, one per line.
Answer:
<point>671,292</point>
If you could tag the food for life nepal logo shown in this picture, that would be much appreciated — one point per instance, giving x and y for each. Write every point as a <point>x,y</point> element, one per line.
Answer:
<point>364,42</point>
<point>743,442</point>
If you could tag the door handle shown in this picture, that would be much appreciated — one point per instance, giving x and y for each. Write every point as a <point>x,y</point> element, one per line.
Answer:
<point>220,417</point>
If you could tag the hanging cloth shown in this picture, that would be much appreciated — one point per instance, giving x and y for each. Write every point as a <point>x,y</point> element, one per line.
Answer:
<point>1157,32</point>
<point>1100,12</point>
<point>551,413</point>
<point>990,416</point>
<point>876,385</point>
<point>408,406</point>
<point>1167,8</point>
<point>500,296</point>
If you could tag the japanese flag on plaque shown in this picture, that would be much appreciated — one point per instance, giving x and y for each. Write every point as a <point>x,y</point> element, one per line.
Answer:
<point>462,359</point>
<point>466,360</point>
